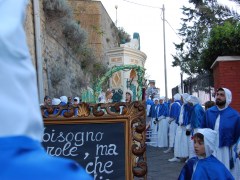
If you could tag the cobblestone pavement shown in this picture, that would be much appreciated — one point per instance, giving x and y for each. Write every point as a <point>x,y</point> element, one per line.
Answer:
<point>158,166</point>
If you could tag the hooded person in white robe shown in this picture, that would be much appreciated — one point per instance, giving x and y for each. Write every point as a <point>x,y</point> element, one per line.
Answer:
<point>173,120</point>
<point>181,139</point>
<point>205,165</point>
<point>195,119</point>
<point>162,123</point>
<point>226,121</point>
<point>76,101</point>
<point>149,103</point>
<point>21,153</point>
<point>153,122</point>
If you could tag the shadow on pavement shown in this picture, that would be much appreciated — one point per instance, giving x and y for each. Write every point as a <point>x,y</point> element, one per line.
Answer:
<point>158,166</point>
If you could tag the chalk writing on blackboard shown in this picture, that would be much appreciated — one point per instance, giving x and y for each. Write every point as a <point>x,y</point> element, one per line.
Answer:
<point>100,148</point>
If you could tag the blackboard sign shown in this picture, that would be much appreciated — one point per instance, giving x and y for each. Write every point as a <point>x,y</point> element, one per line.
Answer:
<point>99,147</point>
<point>109,145</point>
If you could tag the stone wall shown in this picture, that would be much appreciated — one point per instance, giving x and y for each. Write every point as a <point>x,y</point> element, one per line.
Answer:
<point>62,72</point>
<point>102,34</point>
<point>29,28</point>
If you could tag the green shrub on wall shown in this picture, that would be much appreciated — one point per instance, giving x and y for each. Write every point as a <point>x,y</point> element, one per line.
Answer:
<point>60,16</point>
<point>57,8</point>
<point>76,36</point>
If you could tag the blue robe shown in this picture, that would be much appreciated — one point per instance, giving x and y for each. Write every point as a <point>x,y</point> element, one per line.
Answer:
<point>149,102</point>
<point>175,110</point>
<point>153,111</point>
<point>63,111</point>
<point>167,106</point>
<point>229,128</point>
<point>196,116</point>
<point>25,159</point>
<point>186,114</point>
<point>207,169</point>
<point>162,110</point>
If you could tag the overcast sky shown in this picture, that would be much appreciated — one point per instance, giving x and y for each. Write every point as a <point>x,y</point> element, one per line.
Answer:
<point>145,17</point>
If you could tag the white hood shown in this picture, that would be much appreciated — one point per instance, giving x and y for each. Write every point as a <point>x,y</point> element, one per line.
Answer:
<point>162,98</point>
<point>64,99</point>
<point>228,95</point>
<point>56,101</point>
<point>20,111</point>
<point>209,140</point>
<point>77,98</point>
<point>193,99</point>
<point>177,97</point>
<point>130,92</point>
<point>184,97</point>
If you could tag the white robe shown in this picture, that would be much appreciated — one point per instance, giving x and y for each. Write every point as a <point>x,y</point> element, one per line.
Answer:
<point>222,154</point>
<point>148,109</point>
<point>181,142</point>
<point>153,133</point>
<point>172,133</point>
<point>163,133</point>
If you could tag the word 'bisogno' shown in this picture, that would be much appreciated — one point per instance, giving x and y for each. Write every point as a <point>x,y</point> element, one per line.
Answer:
<point>79,138</point>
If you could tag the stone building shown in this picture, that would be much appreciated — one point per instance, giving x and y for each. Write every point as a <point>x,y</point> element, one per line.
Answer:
<point>59,71</point>
<point>93,17</point>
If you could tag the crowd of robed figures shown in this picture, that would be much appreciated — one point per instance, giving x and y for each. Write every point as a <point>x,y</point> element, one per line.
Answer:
<point>104,97</point>
<point>176,124</point>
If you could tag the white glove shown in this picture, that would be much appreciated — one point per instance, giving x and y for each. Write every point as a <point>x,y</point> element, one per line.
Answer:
<point>170,120</point>
<point>188,127</point>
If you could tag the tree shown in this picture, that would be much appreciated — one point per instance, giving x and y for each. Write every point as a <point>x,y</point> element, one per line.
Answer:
<point>123,36</point>
<point>224,40</point>
<point>195,31</point>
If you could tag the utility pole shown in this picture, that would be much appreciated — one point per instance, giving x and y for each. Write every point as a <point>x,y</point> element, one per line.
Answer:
<point>164,48</point>
<point>116,6</point>
<point>181,75</point>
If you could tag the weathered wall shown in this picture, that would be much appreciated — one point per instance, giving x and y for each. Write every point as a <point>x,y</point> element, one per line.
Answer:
<point>29,28</point>
<point>102,34</point>
<point>62,72</point>
<point>226,74</point>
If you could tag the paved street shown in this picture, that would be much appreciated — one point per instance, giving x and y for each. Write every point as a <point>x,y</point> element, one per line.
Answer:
<point>158,166</point>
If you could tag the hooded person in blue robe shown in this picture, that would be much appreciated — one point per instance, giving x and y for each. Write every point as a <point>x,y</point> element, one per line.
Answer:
<point>162,123</point>
<point>56,102</point>
<point>154,112</point>
<point>196,115</point>
<point>76,101</point>
<point>149,103</point>
<point>21,153</point>
<point>181,140</point>
<point>204,165</point>
<point>154,117</point>
<point>174,113</point>
<point>226,121</point>
<point>64,101</point>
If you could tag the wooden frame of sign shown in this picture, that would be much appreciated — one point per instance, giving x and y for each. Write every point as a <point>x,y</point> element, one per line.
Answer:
<point>111,135</point>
